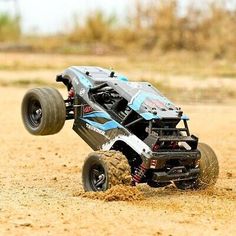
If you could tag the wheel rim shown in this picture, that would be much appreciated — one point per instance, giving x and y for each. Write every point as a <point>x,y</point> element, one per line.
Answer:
<point>97,177</point>
<point>34,113</point>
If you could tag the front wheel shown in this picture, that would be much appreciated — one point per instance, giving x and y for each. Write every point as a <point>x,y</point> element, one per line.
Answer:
<point>209,170</point>
<point>105,169</point>
<point>43,111</point>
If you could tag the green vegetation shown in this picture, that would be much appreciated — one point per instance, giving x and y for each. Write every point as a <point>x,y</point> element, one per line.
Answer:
<point>9,28</point>
<point>152,27</point>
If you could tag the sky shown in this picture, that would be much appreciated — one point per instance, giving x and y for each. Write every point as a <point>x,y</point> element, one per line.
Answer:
<point>49,16</point>
<point>52,16</point>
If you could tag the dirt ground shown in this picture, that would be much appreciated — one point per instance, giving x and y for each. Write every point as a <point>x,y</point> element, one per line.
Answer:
<point>41,176</point>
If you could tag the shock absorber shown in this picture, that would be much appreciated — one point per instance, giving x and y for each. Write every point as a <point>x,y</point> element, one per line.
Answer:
<point>71,93</point>
<point>138,174</point>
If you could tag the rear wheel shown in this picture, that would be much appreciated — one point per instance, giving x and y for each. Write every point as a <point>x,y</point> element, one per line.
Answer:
<point>209,170</point>
<point>105,169</point>
<point>43,111</point>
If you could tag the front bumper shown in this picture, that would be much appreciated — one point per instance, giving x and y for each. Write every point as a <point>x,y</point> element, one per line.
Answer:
<point>157,159</point>
<point>180,155</point>
<point>157,162</point>
<point>176,174</point>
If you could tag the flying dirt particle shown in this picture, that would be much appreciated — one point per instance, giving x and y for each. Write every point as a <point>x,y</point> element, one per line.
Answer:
<point>116,193</point>
<point>26,225</point>
<point>228,189</point>
<point>184,222</point>
<point>54,179</point>
<point>229,175</point>
<point>157,233</point>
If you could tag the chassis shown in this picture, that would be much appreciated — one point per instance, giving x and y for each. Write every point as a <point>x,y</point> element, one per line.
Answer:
<point>138,135</point>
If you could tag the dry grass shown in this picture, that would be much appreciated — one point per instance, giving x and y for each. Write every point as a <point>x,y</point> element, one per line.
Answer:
<point>185,79</point>
<point>151,27</point>
<point>198,65</point>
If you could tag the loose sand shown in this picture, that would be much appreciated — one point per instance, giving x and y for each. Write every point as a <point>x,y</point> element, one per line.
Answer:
<point>41,191</point>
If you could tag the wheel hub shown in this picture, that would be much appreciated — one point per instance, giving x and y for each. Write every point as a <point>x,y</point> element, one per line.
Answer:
<point>98,177</point>
<point>35,113</point>
<point>101,180</point>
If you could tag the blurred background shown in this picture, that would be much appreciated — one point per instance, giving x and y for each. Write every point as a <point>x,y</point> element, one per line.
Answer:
<point>186,48</point>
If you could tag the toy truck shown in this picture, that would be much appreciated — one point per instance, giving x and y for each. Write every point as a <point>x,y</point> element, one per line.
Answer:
<point>137,134</point>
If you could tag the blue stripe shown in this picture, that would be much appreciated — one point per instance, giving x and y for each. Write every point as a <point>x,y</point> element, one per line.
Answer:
<point>97,114</point>
<point>122,78</point>
<point>106,126</point>
<point>184,117</point>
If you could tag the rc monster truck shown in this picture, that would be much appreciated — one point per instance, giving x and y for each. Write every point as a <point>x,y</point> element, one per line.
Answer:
<point>137,134</point>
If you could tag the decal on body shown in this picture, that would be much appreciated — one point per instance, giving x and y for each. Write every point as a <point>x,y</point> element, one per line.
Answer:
<point>96,130</point>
